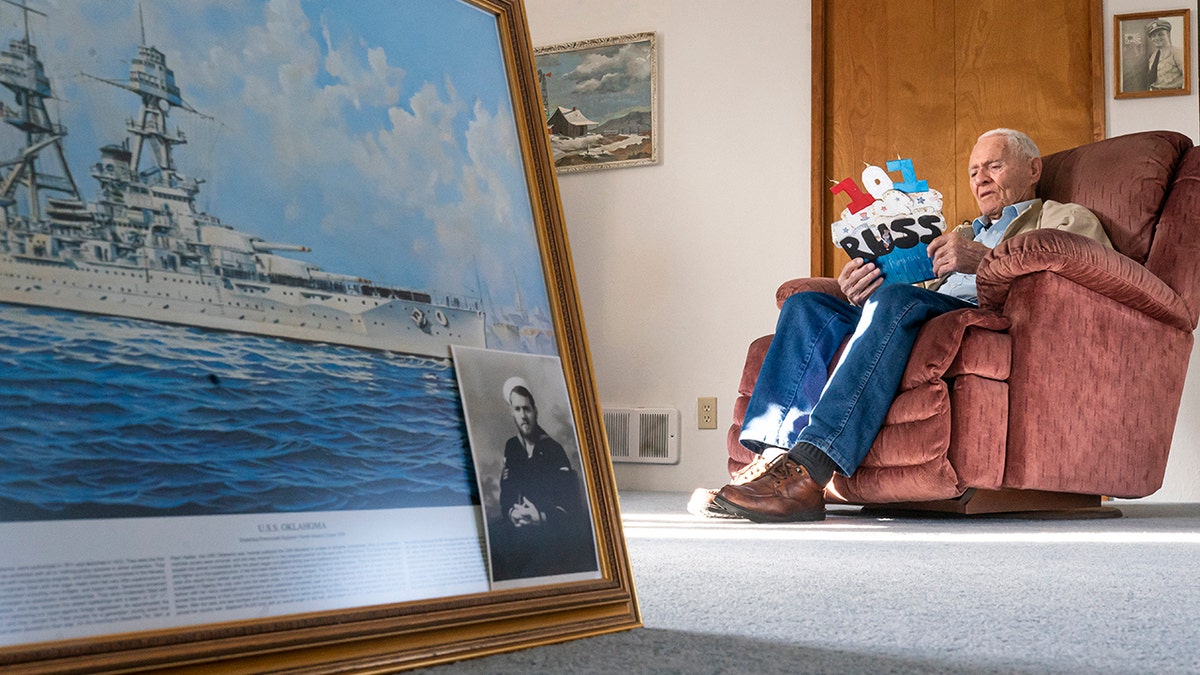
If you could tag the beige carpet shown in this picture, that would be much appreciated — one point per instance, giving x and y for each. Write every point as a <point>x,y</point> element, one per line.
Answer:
<point>858,594</point>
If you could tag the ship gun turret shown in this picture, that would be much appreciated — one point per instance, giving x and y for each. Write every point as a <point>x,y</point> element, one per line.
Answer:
<point>334,276</point>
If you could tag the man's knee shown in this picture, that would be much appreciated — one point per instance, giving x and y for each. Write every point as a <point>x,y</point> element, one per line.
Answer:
<point>812,301</point>
<point>899,293</point>
<point>809,309</point>
<point>913,302</point>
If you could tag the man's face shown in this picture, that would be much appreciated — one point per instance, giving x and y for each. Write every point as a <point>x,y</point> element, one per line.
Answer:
<point>524,413</point>
<point>999,178</point>
<point>1160,39</point>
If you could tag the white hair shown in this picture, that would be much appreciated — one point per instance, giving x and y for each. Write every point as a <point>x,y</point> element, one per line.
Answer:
<point>1018,142</point>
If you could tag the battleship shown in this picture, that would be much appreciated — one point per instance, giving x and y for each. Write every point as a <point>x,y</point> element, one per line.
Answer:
<point>143,250</point>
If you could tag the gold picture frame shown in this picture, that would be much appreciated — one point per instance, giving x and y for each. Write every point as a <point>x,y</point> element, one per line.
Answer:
<point>1152,54</point>
<point>390,637</point>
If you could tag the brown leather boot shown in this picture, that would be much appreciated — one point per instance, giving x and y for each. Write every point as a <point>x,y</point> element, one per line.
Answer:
<point>784,494</point>
<point>701,503</point>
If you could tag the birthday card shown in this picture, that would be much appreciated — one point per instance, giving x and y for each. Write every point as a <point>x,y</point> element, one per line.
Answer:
<point>892,223</point>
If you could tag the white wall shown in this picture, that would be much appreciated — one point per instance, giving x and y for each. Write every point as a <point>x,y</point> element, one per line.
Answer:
<point>677,263</point>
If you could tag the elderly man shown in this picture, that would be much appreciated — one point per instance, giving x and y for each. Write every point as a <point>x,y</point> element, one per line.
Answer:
<point>806,428</point>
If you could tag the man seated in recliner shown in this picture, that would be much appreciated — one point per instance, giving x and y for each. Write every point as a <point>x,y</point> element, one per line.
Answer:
<point>805,423</point>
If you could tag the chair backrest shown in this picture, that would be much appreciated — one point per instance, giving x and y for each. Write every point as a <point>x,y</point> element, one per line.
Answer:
<point>1175,253</point>
<point>1123,180</point>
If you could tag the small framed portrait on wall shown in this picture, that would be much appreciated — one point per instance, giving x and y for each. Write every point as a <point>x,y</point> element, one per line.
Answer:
<point>1152,52</point>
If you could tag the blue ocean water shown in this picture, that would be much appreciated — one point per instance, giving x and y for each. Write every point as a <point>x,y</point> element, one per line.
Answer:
<point>104,417</point>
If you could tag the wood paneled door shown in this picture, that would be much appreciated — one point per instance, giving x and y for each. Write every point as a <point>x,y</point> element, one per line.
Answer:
<point>923,78</point>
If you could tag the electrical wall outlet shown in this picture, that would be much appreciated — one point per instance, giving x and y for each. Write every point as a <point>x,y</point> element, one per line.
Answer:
<point>706,412</point>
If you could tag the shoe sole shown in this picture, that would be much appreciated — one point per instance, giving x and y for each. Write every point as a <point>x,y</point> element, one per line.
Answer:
<point>707,508</point>
<point>756,517</point>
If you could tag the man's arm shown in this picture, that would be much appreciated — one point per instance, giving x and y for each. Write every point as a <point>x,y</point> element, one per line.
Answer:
<point>558,495</point>
<point>956,251</point>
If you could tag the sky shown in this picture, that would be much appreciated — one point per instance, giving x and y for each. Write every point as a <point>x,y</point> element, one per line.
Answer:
<point>380,133</point>
<point>605,82</point>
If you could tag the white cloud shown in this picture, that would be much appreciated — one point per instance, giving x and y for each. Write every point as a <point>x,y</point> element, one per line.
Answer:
<point>609,71</point>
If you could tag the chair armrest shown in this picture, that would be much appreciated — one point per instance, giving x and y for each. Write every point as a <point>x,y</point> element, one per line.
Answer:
<point>1084,262</point>
<point>819,284</point>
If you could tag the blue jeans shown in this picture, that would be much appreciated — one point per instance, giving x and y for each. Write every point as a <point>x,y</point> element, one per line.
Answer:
<point>796,398</point>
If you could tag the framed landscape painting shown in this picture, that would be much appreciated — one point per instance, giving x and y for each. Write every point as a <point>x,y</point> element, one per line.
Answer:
<point>239,244</point>
<point>600,100</point>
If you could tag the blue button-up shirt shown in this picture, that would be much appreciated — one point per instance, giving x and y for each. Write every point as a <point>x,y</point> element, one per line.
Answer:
<point>988,233</point>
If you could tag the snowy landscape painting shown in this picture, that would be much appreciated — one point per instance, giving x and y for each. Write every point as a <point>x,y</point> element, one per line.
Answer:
<point>600,98</point>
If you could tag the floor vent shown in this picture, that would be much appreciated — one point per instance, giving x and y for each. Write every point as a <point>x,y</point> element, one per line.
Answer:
<point>643,435</point>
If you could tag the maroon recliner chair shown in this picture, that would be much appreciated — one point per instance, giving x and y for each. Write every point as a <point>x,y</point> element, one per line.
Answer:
<point>1064,385</point>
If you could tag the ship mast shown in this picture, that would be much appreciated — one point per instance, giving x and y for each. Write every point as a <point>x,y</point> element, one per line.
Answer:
<point>22,73</point>
<point>154,82</point>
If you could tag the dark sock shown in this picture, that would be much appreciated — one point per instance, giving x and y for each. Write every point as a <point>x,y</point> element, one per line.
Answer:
<point>812,458</point>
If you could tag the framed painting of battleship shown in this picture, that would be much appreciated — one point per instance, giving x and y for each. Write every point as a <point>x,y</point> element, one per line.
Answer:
<point>600,98</point>
<point>240,244</point>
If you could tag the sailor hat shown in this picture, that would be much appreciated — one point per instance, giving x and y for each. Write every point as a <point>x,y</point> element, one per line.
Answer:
<point>512,383</point>
<point>1157,24</point>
